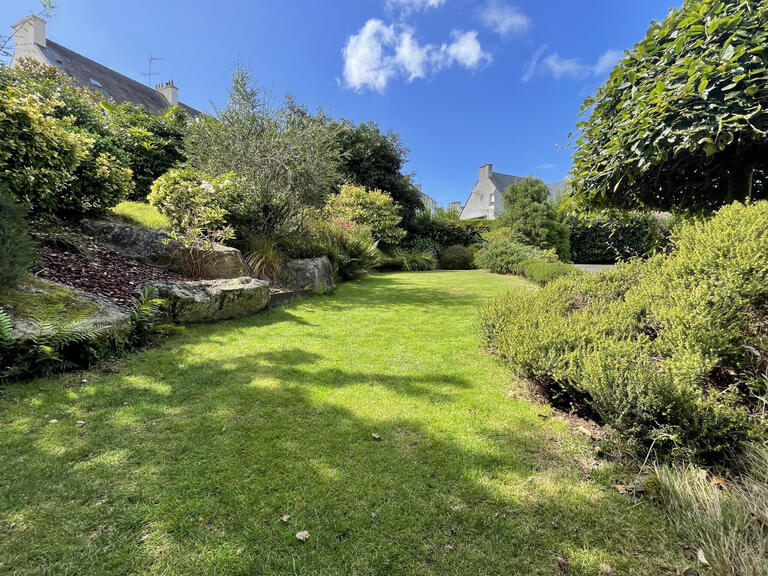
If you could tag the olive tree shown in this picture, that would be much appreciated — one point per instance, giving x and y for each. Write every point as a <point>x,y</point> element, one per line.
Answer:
<point>682,122</point>
<point>285,157</point>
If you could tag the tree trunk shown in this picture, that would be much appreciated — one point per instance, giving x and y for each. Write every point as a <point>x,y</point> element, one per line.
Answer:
<point>740,182</point>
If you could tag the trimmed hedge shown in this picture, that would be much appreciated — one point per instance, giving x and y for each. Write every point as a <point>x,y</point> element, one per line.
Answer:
<point>506,256</point>
<point>671,351</point>
<point>543,273</point>
<point>457,258</point>
<point>606,240</point>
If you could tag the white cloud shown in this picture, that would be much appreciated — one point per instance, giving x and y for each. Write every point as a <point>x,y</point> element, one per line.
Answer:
<point>607,61</point>
<point>414,5</point>
<point>503,18</point>
<point>558,67</point>
<point>464,50</point>
<point>380,52</point>
<point>365,62</point>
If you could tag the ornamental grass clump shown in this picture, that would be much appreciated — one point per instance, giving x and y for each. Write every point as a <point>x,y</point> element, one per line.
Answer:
<point>671,352</point>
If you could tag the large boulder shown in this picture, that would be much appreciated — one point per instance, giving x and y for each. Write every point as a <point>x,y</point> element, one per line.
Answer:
<point>75,307</point>
<point>311,274</point>
<point>211,300</point>
<point>156,247</point>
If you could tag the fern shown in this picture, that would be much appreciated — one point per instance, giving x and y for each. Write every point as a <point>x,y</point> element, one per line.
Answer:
<point>6,327</point>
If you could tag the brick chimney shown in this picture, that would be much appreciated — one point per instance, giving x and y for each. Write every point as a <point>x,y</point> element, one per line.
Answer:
<point>485,172</point>
<point>170,91</point>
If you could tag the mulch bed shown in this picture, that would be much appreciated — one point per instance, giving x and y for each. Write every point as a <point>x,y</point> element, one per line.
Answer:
<point>98,270</point>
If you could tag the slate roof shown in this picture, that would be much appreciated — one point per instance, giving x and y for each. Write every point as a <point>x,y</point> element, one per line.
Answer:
<point>501,181</point>
<point>97,77</point>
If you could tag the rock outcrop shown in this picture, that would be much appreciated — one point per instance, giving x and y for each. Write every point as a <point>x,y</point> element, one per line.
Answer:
<point>312,275</point>
<point>203,301</point>
<point>93,311</point>
<point>156,247</point>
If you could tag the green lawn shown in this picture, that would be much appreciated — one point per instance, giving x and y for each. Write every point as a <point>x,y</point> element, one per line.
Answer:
<point>190,453</point>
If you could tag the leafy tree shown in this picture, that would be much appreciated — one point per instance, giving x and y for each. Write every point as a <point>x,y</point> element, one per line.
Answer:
<point>528,213</point>
<point>375,160</point>
<point>152,143</point>
<point>286,158</point>
<point>371,208</point>
<point>683,120</point>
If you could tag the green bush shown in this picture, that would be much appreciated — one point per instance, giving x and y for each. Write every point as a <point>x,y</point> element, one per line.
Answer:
<point>180,194</point>
<point>543,273</point>
<point>16,249</point>
<point>66,156</point>
<point>529,213</point>
<point>506,256</point>
<point>672,351</point>
<point>605,240</point>
<point>414,260</point>
<point>442,231</point>
<point>457,258</point>
<point>350,247</point>
<point>372,208</point>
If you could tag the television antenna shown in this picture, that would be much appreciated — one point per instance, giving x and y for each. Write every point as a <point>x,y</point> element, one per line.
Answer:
<point>149,73</point>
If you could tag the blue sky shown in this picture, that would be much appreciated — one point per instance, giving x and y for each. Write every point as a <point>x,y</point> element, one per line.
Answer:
<point>464,82</point>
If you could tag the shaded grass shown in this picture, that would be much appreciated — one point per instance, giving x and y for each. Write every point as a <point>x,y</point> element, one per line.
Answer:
<point>141,214</point>
<point>192,452</point>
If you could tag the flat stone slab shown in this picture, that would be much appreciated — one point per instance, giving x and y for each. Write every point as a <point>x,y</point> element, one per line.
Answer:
<point>201,301</point>
<point>309,275</point>
<point>156,247</point>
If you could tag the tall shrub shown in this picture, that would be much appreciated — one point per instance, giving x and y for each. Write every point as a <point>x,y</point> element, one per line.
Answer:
<point>371,208</point>
<point>528,212</point>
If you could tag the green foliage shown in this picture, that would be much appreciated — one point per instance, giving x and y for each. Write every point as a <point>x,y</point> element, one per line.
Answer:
<point>264,257</point>
<point>285,159</point>
<point>141,214</point>
<point>184,195</point>
<point>725,520</point>
<point>456,258</point>
<point>152,143</point>
<point>606,239</point>
<point>374,160</point>
<point>527,212</point>
<point>682,121</point>
<point>414,260</point>
<point>350,247</point>
<point>440,232</point>
<point>670,351</point>
<point>372,208</point>
<point>86,169</point>
<point>16,248</point>
<point>39,153</point>
<point>194,206</point>
<point>65,342</point>
<point>543,273</point>
<point>505,256</point>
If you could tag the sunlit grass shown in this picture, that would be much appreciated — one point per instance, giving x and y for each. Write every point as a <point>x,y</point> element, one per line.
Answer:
<point>141,214</point>
<point>192,452</point>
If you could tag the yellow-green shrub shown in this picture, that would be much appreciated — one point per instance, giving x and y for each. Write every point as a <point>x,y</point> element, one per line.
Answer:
<point>670,351</point>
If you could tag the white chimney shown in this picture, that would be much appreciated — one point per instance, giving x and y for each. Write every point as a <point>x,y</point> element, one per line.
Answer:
<point>28,32</point>
<point>169,90</point>
<point>485,172</point>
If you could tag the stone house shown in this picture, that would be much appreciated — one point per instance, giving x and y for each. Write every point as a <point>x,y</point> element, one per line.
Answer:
<point>30,41</point>
<point>485,199</point>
